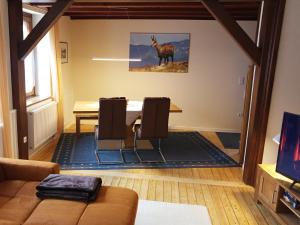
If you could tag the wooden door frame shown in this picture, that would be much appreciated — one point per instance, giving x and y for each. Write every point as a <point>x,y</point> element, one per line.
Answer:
<point>263,55</point>
<point>268,39</point>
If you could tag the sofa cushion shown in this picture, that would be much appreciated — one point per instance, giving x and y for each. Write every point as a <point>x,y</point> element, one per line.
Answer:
<point>9,188</point>
<point>3,200</point>
<point>113,206</point>
<point>53,211</point>
<point>22,200</point>
<point>1,173</point>
<point>8,222</point>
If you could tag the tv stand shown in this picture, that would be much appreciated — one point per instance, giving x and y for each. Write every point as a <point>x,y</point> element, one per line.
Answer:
<point>293,184</point>
<point>269,190</point>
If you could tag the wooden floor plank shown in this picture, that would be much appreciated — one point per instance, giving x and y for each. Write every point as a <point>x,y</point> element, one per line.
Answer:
<point>122,182</point>
<point>159,192</point>
<point>144,189</point>
<point>137,185</point>
<point>175,192</point>
<point>199,194</point>
<point>226,205</point>
<point>129,183</point>
<point>244,206</point>
<point>167,191</point>
<point>218,205</point>
<point>183,198</point>
<point>248,197</point>
<point>115,182</point>
<point>151,190</point>
<point>191,194</point>
<point>216,220</point>
<point>236,207</point>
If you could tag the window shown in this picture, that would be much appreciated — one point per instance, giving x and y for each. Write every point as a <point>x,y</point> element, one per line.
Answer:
<point>29,60</point>
<point>38,82</point>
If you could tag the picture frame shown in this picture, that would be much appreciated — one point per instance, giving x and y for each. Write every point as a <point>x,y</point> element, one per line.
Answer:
<point>64,52</point>
<point>159,52</point>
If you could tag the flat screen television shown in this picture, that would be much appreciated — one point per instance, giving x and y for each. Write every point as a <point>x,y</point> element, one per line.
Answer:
<point>288,159</point>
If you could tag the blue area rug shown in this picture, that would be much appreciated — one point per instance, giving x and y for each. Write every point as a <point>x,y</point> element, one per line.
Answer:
<point>181,150</point>
<point>230,140</point>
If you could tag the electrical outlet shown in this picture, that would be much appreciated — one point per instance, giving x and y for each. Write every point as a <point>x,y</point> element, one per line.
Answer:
<point>240,114</point>
<point>242,80</point>
<point>25,139</point>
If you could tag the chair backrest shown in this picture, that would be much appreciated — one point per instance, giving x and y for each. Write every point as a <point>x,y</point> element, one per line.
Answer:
<point>112,118</point>
<point>155,118</point>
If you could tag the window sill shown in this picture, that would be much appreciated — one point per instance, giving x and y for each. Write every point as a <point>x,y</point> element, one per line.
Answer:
<point>37,100</point>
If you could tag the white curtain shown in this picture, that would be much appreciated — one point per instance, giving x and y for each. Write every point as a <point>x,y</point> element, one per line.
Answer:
<point>55,65</point>
<point>4,101</point>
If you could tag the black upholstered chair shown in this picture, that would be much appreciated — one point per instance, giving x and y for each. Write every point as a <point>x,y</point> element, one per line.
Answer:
<point>154,122</point>
<point>111,124</point>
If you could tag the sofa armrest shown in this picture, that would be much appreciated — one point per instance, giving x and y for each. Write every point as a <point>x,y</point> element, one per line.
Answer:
<point>29,170</point>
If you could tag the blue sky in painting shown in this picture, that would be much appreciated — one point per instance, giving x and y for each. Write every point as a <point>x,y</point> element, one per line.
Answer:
<point>145,38</point>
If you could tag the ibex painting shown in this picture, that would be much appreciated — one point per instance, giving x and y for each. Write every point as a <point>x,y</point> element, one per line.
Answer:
<point>159,52</point>
<point>164,51</point>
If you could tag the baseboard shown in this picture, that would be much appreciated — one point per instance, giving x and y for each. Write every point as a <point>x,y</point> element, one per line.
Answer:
<point>36,153</point>
<point>174,127</point>
<point>69,124</point>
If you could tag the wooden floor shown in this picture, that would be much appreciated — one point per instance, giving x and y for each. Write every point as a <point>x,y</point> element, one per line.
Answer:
<point>228,199</point>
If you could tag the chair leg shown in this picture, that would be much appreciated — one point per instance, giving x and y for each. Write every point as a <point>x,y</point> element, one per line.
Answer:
<point>160,152</point>
<point>121,153</point>
<point>134,148</point>
<point>97,157</point>
<point>111,162</point>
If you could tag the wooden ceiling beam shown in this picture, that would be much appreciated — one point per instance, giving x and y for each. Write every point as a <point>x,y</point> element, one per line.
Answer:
<point>41,29</point>
<point>234,29</point>
<point>241,10</point>
<point>137,17</point>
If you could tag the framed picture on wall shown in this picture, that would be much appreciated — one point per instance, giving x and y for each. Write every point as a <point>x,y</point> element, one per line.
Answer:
<point>64,52</point>
<point>159,52</point>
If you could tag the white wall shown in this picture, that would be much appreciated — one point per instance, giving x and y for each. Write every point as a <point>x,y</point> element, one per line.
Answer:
<point>286,93</point>
<point>209,94</point>
<point>67,75</point>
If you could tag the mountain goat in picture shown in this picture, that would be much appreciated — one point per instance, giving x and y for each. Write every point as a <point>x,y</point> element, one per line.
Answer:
<point>164,51</point>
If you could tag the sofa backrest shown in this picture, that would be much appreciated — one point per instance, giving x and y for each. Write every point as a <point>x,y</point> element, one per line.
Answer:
<point>1,173</point>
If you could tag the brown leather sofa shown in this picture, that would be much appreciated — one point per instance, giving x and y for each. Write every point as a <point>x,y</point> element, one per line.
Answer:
<point>19,204</point>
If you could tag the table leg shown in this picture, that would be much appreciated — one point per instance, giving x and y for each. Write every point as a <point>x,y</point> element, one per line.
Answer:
<point>129,141</point>
<point>77,126</point>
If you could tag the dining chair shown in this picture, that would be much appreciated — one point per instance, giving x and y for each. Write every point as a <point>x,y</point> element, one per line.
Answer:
<point>154,123</point>
<point>111,124</point>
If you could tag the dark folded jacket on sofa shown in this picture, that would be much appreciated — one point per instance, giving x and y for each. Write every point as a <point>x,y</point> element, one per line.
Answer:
<point>60,186</point>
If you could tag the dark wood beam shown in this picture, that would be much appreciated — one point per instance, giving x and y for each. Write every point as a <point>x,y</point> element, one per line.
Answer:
<point>233,28</point>
<point>271,24</point>
<point>240,10</point>
<point>155,17</point>
<point>41,29</point>
<point>15,14</point>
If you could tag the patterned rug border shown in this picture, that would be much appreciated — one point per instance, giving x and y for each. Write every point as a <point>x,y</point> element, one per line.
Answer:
<point>160,165</point>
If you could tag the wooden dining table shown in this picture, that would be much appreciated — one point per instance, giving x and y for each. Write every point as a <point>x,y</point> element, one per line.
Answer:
<point>88,110</point>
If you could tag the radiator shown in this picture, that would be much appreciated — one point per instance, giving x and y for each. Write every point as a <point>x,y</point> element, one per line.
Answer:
<point>14,133</point>
<point>1,140</point>
<point>42,125</point>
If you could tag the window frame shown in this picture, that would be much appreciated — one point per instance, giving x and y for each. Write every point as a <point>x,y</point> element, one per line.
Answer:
<point>27,18</point>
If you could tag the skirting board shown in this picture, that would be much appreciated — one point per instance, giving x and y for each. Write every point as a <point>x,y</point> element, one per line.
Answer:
<point>204,129</point>
<point>173,127</point>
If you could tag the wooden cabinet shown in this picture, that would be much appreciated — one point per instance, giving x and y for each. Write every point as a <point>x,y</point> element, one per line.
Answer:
<point>269,190</point>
